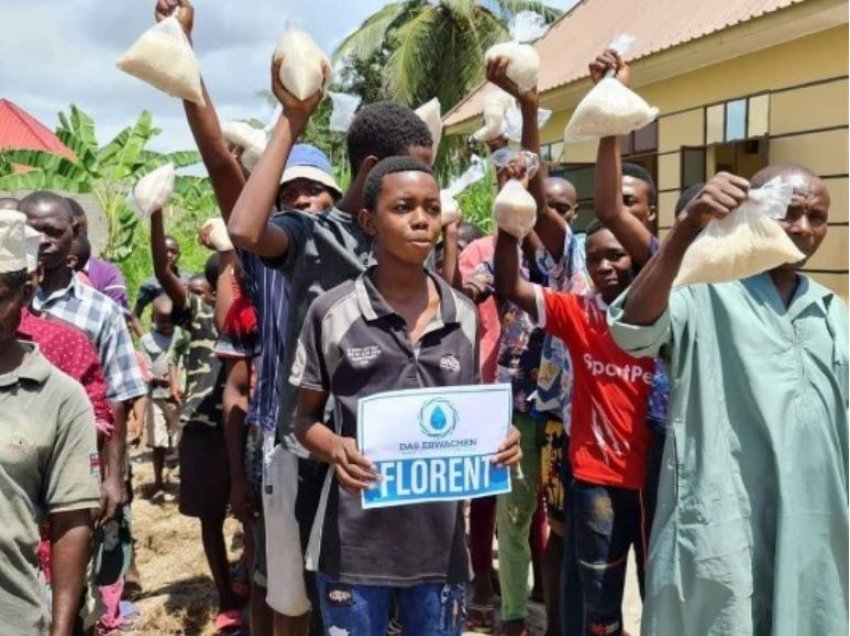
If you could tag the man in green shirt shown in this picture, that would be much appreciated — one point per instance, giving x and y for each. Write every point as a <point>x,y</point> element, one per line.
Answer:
<point>49,465</point>
<point>751,533</point>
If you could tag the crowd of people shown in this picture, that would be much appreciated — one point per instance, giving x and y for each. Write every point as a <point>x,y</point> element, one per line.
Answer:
<point>704,427</point>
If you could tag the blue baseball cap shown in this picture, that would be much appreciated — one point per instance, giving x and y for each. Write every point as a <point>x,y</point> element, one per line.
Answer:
<point>308,162</point>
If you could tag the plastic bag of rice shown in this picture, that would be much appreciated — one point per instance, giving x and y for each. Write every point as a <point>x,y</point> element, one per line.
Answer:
<point>248,142</point>
<point>495,105</point>
<point>746,242</point>
<point>430,113</point>
<point>163,57</point>
<point>153,191</point>
<point>523,60</point>
<point>305,69</point>
<point>610,108</point>
<point>515,210</point>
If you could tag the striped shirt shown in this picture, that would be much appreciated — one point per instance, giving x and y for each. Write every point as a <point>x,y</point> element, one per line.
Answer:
<point>103,322</point>
<point>269,293</point>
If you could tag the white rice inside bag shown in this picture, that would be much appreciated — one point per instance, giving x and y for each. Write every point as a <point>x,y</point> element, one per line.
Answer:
<point>430,113</point>
<point>163,57</point>
<point>496,104</point>
<point>746,242</point>
<point>153,191</point>
<point>302,72</point>
<point>523,63</point>
<point>515,210</point>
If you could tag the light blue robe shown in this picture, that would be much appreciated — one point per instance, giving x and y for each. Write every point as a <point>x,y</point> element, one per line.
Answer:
<point>751,531</point>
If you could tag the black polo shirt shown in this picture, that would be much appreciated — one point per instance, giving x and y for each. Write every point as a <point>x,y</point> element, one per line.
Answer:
<point>353,345</point>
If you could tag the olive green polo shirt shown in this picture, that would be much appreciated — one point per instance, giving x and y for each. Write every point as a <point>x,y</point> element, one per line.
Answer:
<point>48,464</point>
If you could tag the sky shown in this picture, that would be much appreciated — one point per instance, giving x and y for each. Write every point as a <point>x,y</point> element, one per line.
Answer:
<point>57,53</point>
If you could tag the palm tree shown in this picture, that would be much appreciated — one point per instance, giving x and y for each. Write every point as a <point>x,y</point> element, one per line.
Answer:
<point>436,47</point>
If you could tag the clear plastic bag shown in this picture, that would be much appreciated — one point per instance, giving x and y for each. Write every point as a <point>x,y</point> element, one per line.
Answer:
<point>344,108</point>
<point>305,69</point>
<point>610,108</point>
<point>450,208</point>
<point>527,26</point>
<point>495,104</point>
<point>153,191</point>
<point>163,57</point>
<point>249,141</point>
<point>448,196</point>
<point>523,63</point>
<point>748,241</point>
<point>513,122</point>
<point>515,210</point>
<point>504,157</point>
<point>430,113</point>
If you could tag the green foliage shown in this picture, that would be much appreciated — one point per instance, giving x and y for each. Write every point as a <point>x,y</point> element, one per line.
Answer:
<point>107,171</point>
<point>432,49</point>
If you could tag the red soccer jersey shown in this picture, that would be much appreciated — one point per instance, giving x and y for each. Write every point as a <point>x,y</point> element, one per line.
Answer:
<point>609,435</point>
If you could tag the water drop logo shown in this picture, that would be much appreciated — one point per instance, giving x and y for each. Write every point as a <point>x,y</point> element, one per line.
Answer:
<point>437,418</point>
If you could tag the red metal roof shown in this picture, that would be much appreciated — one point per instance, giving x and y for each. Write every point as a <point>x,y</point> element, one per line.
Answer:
<point>21,131</point>
<point>587,28</point>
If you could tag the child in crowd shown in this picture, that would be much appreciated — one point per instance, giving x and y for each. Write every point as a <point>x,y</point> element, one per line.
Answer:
<point>163,419</point>
<point>204,475</point>
<point>609,436</point>
<point>417,551</point>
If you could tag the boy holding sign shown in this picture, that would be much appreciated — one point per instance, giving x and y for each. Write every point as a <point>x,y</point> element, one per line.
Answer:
<point>395,327</point>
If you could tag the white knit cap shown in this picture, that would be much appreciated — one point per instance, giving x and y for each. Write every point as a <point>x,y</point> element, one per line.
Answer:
<point>33,241</point>
<point>13,247</point>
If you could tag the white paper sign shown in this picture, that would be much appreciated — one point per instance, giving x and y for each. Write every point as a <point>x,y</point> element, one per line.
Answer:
<point>435,444</point>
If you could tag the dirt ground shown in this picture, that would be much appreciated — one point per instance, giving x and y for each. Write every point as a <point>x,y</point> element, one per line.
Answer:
<point>178,594</point>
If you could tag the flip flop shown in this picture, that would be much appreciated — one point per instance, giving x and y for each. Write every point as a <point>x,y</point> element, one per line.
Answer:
<point>228,621</point>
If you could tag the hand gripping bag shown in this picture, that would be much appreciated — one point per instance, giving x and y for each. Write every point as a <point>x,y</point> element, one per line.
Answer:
<point>429,112</point>
<point>523,60</point>
<point>163,57</point>
<point>216,230</point>
<point>153,191</point>
<point>250,141</point>
<point>303,71</point>
<point>747,241</point>
<point>515,210</point>
<point>504,157</point>
<point>610,108</point>
<point>494,107</point>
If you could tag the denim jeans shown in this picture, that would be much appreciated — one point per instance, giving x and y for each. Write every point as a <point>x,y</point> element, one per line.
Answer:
<point>572,605</point>
<point>429,609</point>
<point>607,522</point>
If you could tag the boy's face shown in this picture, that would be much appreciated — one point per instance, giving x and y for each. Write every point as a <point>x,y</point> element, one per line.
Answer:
<point>406,219</point>
<point>563,200</point>
<point>163,322</point>
<point>201,287</point>
<point>608,264</point>
<point>806,219</point>
<point>636,196</point>
<point>12,302</point>
<point>304,195</point>
<point>172,250</point>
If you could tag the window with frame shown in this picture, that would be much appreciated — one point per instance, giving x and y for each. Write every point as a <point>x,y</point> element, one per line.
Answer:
<point>737,119</point>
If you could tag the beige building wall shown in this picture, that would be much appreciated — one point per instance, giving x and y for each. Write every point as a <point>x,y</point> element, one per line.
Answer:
<point>799,102</point>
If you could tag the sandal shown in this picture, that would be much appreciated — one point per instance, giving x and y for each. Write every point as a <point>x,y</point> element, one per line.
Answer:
<point>481,618</point>
<point>228,621</point>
